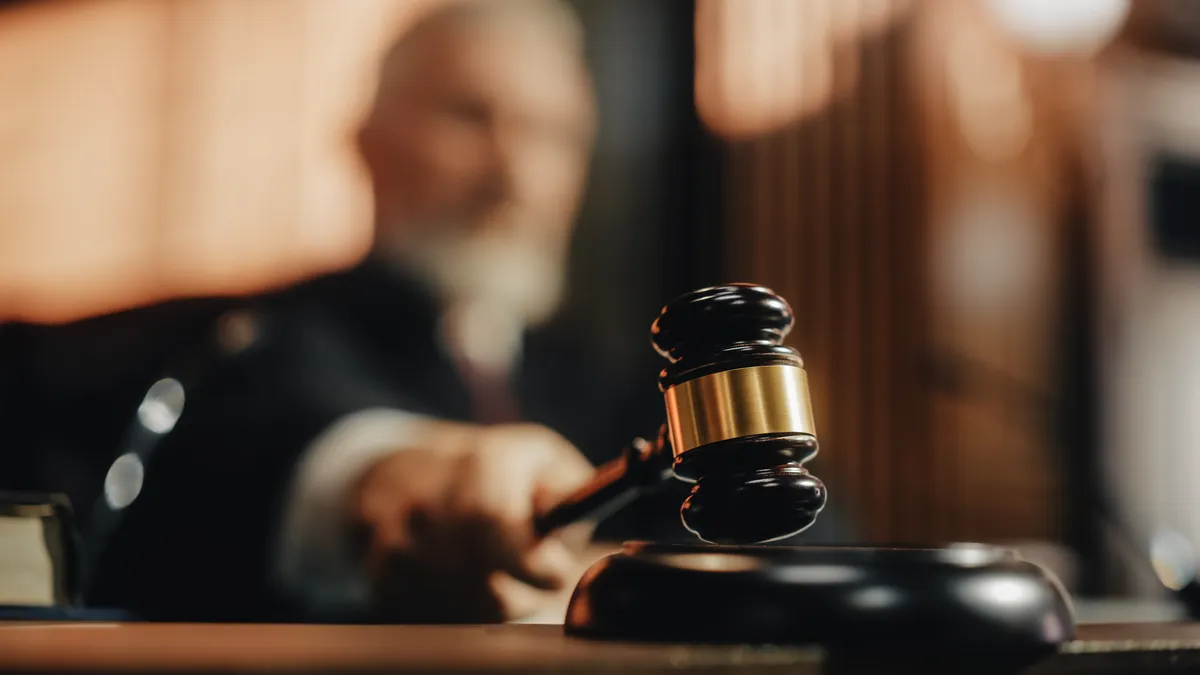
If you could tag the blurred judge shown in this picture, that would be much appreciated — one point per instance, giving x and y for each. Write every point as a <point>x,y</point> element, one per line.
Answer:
<point>404,420</point>
<point>477,146</point>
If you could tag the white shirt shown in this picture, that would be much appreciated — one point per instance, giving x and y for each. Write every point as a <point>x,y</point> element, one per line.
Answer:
<point>314,562</point>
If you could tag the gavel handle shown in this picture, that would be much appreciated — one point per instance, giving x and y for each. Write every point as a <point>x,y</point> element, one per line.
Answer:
<point>643,464</point>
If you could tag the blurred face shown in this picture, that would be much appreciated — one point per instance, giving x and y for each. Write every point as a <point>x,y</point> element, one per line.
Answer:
<point>478,150</point>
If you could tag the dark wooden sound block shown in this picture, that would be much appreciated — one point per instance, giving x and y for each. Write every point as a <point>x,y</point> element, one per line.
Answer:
<point>973,601</point>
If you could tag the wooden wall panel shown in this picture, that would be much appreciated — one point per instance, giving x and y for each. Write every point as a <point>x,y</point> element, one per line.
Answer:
<point>826,212</point>
<point>917,225</point>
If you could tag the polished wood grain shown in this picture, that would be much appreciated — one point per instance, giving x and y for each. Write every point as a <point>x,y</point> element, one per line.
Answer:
<point>139,648</point>
<point>343,649</point>
<point>933,382</point>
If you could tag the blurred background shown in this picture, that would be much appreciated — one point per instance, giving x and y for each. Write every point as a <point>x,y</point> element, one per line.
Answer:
<point>985,213</point>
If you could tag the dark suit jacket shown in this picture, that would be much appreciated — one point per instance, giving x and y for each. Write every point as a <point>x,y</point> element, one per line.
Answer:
<point>196,544</point>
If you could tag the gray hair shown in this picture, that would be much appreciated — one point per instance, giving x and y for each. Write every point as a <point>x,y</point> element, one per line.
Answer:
<point>556,19</point>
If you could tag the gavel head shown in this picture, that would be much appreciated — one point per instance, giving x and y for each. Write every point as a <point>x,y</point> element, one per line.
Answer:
<point>739,419</point>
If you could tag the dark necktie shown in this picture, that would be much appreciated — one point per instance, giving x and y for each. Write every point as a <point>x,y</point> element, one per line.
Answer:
<point>491,395</point>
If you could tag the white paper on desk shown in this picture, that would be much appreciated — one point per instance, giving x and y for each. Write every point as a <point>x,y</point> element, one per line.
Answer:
<point>26,570</point>
<point>551,618</point>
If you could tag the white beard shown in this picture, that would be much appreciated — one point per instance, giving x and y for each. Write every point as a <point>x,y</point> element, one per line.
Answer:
<point>514,276</point>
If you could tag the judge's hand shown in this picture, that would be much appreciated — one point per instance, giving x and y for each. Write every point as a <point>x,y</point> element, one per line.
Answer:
<point>449,524</point>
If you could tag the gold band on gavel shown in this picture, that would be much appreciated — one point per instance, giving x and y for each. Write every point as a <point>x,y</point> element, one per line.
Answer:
<point>736,403</point>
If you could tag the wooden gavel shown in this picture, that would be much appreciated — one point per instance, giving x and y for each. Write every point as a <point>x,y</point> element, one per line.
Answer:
<point>739,424</point>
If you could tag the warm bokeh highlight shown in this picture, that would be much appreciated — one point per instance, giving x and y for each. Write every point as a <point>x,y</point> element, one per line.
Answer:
<point>183,147</point>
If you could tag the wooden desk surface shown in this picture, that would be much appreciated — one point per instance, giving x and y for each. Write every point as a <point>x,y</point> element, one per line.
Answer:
<point>400,649</point>
<point>212,648</point>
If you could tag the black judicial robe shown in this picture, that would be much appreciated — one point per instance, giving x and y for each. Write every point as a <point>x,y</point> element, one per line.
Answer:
<point>196,544</point>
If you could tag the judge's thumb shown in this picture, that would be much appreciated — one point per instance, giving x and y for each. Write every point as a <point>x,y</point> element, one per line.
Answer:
<point>544,464</point>
<point>519,471</point>
<point>562,470</point>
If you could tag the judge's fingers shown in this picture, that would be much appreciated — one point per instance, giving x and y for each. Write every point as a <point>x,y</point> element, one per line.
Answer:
<point>559,470</point>
<point>539,466</point>
<point>507,545</point>
<point>496,496</point>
